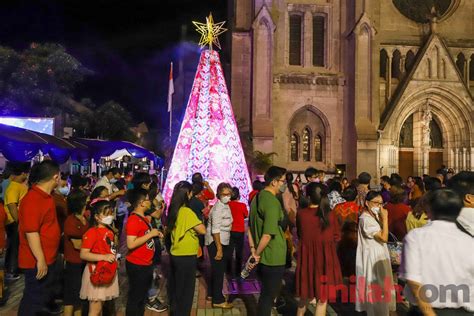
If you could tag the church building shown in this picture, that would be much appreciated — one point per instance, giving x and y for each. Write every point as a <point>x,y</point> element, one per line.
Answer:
<point>367,85</point>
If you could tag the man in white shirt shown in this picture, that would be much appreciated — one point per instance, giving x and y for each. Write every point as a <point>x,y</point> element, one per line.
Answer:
<point>108,181</point>
<point>463,184</point>
<point>438,260</point>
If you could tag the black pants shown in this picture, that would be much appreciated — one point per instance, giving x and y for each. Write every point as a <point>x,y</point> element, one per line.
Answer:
<point>181,284</point>
<point>271,277</point>
<point>37,294</point>
<point>139,281</point>
<point>119,224</point>
<point>218,267</point>
<point>236,244</point>
<point>13,242</point>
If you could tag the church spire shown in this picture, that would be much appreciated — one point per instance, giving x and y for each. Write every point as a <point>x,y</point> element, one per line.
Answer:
<point>433,20</point>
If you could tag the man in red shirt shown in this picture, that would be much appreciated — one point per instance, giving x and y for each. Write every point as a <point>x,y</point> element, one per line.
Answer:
<point>239,214</point>
<point>141,249</point>
<point>39,240</point>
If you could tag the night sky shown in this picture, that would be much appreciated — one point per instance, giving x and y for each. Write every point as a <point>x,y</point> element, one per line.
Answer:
<point>127,44</point>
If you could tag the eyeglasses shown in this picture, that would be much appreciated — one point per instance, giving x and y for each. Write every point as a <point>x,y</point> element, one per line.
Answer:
<point>376,203</point>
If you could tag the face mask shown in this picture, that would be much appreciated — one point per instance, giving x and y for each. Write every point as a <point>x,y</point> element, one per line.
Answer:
<point>113,180</point>
<point>315,180</point>
<point>64,190</point>
<point>283,188</point>
<point>108,220</point>
<point>225,199</point>
<point>375,209</point>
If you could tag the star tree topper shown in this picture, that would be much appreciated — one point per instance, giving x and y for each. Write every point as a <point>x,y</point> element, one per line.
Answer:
<point>209,32</point>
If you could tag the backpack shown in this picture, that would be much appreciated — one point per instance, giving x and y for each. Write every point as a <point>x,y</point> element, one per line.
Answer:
<point>103,272</point>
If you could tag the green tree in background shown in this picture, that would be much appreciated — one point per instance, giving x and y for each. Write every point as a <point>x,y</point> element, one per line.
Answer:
<point>39,80</point>
<point>113,121</point>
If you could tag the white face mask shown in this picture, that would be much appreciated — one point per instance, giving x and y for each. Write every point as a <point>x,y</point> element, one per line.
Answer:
<point>108,220</point>
<point>225,199</point>
<point>375,209</point>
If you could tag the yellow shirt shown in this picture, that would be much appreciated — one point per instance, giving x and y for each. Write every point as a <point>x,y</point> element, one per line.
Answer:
<point>412,222</point>
<point>184,239</point>
<point>13,195</point>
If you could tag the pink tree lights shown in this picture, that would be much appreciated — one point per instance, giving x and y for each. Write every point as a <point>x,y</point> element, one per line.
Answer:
<point>209,141</point>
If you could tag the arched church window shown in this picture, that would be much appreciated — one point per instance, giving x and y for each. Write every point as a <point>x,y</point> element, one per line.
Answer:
<point>406,133</point>
<point>383,63</point>
<point>436,137</point>
<point>294,147</point>
<point>460,62</point>
<point>396,59</point>
<point>295,39</point>
<point>409,61</point>
<point>319,38</point>
<point>306,144</point>
<point>318,149</point>
<point>307,129</point>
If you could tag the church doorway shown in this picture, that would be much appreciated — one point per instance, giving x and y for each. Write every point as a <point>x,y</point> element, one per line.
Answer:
<point>417,153</point>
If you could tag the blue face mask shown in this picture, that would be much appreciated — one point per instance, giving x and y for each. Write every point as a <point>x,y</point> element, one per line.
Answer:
<point>64,190</point>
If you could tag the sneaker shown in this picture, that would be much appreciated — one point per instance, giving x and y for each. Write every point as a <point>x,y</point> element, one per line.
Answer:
<point>12,277</point>
<point>225,305</point>
<point>157,306</point>
<point>279,302</point>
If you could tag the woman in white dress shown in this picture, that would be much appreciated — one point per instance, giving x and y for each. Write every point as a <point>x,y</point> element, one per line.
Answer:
<point>374,281</point>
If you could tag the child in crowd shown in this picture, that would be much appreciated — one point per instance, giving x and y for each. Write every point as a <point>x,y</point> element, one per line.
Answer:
<point>98,244</point>
<point>141,250</point>
<point>75,227</point>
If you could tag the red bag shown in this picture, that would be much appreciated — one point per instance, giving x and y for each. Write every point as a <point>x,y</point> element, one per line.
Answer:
<point>104,273</point>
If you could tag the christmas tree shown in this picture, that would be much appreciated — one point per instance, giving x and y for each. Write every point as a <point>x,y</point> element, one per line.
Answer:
<point>209,141</point>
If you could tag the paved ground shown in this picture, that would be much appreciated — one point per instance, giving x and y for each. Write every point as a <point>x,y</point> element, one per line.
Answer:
<point>243,304</point>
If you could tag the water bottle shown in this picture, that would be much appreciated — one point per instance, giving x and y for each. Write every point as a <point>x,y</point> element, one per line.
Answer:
<point>246,271</point>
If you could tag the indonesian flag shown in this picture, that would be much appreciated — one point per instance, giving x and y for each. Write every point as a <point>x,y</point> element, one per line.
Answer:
<point>170,89</point>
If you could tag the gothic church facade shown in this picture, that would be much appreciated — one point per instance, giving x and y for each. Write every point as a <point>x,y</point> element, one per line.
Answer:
<point>376,85</point>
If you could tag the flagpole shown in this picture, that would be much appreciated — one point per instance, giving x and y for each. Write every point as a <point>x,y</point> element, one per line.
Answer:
<point>171,119</point>
<point>170,98</point>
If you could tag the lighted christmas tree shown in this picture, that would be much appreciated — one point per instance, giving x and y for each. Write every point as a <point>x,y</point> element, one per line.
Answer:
<point>209,141</point>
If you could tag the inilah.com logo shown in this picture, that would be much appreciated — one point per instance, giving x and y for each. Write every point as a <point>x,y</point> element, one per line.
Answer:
<point>387,290</point>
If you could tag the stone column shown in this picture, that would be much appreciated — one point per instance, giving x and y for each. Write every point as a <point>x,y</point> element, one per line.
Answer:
<point>307,38</point>
<point>472,159</point>
<point>456,160</point>
<point>388,81</point>
<point>468,63</point>
<point>464,154</point>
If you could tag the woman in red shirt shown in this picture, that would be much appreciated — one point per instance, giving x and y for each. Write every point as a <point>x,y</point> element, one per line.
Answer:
<point>75,226</point>
<point>141,249</point>
<point>318,232</point>
<point>98,244</point>
<point>397,212</point>
<point>239,214</point>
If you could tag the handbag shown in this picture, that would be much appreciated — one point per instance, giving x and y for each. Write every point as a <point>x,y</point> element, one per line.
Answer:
<point>395,250</point>
<point>103,272</point>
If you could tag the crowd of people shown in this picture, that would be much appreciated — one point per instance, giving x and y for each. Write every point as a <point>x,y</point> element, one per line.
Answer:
<point>66,234</point>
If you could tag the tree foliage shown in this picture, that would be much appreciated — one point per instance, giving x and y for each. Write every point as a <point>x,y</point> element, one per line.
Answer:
<point>39,80</point>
